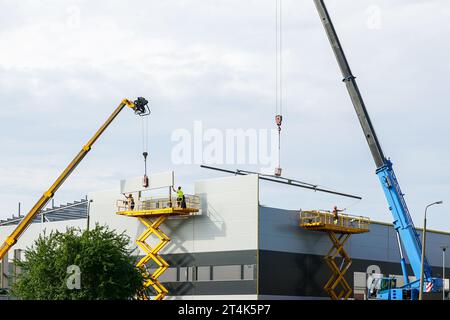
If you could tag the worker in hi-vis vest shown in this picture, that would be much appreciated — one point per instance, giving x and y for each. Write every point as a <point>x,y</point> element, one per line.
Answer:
<point>335,214</point>
<point>181,200</point>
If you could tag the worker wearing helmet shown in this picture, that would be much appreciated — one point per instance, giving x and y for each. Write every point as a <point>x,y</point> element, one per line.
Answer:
<point>335,214</point>
<point>130,202</point>
<point>180,197</point>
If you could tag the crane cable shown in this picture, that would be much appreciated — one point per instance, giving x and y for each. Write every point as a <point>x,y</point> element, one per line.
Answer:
<point>278,77</point>
<point>145,139</point>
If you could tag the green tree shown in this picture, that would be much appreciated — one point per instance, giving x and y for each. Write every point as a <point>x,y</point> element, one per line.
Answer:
<point>106,265</point>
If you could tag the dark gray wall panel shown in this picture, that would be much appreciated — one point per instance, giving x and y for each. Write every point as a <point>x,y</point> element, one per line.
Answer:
<point>211,258</point>
<point>279,231</point>
<point>296,274</point>
<point>212,287</point>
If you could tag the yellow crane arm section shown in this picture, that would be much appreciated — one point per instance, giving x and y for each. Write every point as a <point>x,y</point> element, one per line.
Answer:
<point>139,106</point>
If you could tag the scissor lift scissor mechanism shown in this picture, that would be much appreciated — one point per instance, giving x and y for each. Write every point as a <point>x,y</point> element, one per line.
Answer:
<point>339,231</point>
<point>152,214</point>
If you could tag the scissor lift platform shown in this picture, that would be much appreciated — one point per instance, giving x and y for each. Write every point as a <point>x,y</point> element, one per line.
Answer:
<point>339,231</point>
<point>152,213</point>
<point>158,212</point>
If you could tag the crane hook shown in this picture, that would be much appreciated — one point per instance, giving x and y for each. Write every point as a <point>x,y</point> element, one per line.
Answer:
<point>278,121</point>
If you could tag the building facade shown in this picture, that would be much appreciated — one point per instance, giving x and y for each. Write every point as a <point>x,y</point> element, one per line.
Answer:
<point>234,248</point>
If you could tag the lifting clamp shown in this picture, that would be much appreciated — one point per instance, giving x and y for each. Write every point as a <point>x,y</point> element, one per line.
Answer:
<point>145,178</point>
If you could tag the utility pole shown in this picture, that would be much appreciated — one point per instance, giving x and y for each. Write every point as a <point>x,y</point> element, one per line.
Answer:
<point>88,212</point>
<point>424,236</point>
<point>443,247</point>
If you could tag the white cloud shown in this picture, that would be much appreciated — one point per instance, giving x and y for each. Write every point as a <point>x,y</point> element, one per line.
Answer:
<point>65,65</point>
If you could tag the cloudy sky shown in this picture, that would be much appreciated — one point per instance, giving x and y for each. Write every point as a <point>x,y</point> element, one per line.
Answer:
<point>64,66</point>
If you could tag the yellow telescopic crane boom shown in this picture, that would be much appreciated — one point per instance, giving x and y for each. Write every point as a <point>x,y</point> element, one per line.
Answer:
<point>140,107</point>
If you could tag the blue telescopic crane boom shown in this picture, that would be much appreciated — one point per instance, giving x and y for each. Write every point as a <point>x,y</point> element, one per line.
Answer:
<point>403,223</point>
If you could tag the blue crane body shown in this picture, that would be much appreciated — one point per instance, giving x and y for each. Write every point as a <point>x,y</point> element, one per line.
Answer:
<point>407,236</point>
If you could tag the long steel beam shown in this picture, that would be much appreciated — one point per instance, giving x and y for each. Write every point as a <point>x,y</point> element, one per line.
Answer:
<point>284,181</point>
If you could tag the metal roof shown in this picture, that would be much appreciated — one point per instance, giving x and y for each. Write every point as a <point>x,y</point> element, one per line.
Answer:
<point>69,211</point>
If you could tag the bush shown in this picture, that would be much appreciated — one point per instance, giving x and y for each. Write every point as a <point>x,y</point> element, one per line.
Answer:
<point>107,267</point>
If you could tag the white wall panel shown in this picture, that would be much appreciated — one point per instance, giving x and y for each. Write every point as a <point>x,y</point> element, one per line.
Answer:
<point>228,221</point>
<point>155,181</point>
<point>103,212</point>
<point>35,229</point>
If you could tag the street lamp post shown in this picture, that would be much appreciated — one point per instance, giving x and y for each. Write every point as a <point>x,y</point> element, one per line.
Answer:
<point>443,247</point>
<point>424,235</point>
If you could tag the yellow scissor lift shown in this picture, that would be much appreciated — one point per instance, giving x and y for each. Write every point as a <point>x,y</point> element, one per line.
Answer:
<point>339,232</point>
<point>152,213</point>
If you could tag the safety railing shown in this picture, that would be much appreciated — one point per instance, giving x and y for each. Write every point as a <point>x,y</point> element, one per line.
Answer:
<point>147,204</point>
<point>317,217</point>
